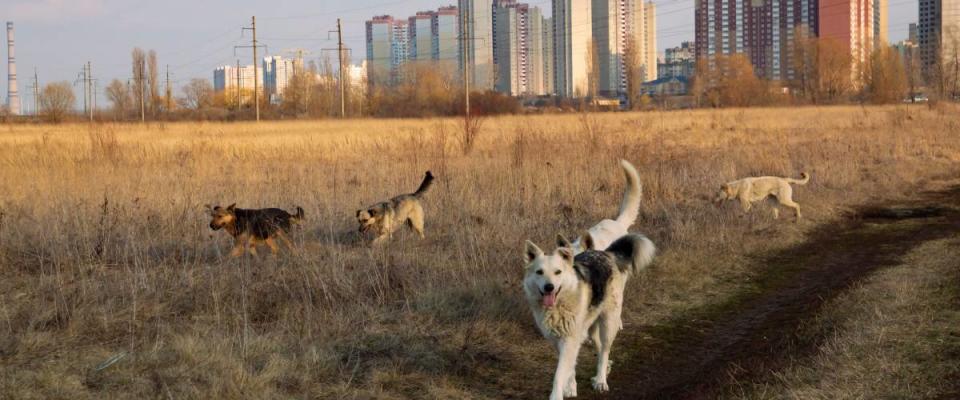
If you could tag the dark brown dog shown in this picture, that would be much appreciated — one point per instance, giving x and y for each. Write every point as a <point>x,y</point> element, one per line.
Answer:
<point>252,227</point>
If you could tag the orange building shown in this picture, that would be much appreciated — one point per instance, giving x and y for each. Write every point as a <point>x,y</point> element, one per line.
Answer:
<point>849,22</point>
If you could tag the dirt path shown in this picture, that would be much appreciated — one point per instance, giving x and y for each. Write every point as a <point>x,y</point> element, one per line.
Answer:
<point>699,355</point>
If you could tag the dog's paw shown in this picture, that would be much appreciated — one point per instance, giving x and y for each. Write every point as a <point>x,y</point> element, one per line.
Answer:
<point>571,389</point>
<point>599,384</point>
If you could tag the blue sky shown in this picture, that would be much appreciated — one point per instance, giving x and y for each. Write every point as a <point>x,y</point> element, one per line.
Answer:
<point>193,37</point>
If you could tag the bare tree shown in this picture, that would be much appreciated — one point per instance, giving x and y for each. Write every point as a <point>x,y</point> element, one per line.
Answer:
<point>198,95</point>
<point>635,74</point>
<point>138,62</point>
<point>118,94</point>
<point>56,101</point>
<point>153,84</point>
<point>886,80</point>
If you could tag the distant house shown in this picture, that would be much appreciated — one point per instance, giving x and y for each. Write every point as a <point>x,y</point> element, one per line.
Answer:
<point>668,86</point>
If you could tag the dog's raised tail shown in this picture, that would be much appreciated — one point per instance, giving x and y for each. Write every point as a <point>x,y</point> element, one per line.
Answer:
<point>630,205</point>
<point>804,178</point>
<point>633,252</point>
<point>425,185</point>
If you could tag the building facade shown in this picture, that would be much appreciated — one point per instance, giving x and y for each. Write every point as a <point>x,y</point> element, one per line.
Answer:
<point>572,41</point>
<point>277,73</point>
<point>547,57</point>
<point>678,62</point>
<point>938,34</point>
<point>228,77</point>
<point>851,23</point>
<point>445,34</point>
<point>517,42</point>
<point>379,40</point>
<point>764,30</point>
<point>649,66</point>
<point>420,29</point>
<point>477,22</point>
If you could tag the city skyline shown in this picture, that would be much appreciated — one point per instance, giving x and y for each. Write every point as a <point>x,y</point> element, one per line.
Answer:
<point>57,37</point>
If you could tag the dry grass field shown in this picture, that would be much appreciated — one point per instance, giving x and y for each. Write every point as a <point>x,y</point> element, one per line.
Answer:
<point>112,285</point>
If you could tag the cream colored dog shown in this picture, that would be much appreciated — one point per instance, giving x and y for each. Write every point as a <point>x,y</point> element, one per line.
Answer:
<point>386,217</point>
<point>752,190</point>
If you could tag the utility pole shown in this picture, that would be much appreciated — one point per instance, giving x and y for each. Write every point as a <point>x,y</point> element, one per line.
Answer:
<point>464,39</point>
<point>340,52</point>
<point>238,85</point>
<point>143,112</point>
<point>90,89</point>
<point>36,93</point>
<point>343,103</point>
<point>256,94</point>
<point>254,45</point>
<point>169,92</point>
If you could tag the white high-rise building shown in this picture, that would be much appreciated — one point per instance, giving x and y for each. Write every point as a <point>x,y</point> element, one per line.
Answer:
<point>228,77</point>
<point>13,97</point>
<point>572,27</point>
<point>620,27</point>
<point>477,17</point>
<point>514,44</point>
<point>277,73</point>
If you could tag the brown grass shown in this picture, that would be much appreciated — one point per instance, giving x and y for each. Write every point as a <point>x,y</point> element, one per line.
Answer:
<point>896,336</point>
<point>106,251</point>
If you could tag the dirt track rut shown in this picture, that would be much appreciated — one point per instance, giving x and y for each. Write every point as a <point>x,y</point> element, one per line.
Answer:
<point>698,355</point>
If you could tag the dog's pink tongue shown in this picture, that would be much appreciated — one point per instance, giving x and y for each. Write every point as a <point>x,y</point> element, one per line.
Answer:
<point>549,299</point>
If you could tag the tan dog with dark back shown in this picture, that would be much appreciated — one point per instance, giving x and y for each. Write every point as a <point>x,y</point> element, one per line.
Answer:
<point>255,226</point>
<point>385,217</point>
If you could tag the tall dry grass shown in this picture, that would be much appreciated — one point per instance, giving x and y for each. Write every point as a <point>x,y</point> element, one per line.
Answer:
<point>112,284</point>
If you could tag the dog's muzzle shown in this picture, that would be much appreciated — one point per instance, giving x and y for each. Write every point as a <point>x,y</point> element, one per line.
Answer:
<point>548,296</point>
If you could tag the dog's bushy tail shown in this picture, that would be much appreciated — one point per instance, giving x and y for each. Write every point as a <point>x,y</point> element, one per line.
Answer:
<point>633,252</point>
<point>630,205</point>
<point>425,185</point>
<point>804,178</point>
<point>298,217</point>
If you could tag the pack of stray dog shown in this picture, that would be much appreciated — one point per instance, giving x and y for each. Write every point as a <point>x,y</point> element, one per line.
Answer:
<point>575,292</point>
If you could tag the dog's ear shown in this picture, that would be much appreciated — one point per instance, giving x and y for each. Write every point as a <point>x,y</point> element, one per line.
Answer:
<point>563,242</point>
<point>566,253</point>
<point>531,252</point>
<point>587,241</point>
<point>232,207</point>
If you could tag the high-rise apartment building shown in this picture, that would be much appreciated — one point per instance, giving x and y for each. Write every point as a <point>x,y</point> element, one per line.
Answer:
<point>547,56</point>
<point>228,77</point>
<point>851,23</point>
<point>445,34</point>
<point>387,50</point>
<point>764,30</point>
<point>421,36</point>
<point>477,23</point>
<point>517,42</point>
<point>938,34</point>
<point>277,73</point>
<point>537,74</point>
<point>880,21</point>
<point>649,66</point>
<point>573,39</point>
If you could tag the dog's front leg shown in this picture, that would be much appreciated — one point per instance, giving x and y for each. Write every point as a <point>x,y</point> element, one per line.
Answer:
<point>237,248</point>
<point>565,380</point>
